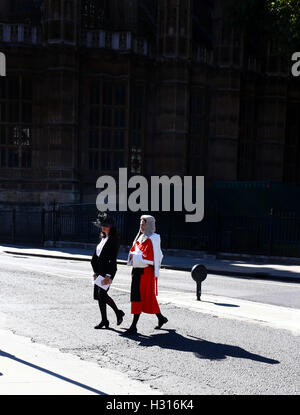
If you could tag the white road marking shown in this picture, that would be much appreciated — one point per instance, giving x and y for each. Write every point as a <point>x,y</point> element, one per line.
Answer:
<point>270,315</point>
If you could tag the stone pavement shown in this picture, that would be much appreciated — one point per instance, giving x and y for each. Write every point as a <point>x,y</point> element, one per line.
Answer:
<point>28,368</point>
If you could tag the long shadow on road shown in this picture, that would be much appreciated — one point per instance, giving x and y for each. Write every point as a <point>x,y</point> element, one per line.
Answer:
<point>51,373</point>
<point>202,349</point>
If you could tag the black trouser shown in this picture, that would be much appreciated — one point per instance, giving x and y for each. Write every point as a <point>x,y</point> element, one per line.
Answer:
<point>103,299</point>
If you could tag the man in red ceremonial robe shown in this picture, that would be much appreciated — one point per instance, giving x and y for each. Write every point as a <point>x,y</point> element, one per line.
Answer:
<point>145,256</point>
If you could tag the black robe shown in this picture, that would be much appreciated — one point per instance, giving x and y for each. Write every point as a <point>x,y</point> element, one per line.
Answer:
<point>106,262</point>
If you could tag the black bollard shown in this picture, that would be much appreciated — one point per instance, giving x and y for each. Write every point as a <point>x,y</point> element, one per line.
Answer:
<point>199,290</point>
<point>199,273</point>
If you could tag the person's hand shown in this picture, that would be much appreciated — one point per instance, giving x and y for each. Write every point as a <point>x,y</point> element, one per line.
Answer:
<point>107,281</point>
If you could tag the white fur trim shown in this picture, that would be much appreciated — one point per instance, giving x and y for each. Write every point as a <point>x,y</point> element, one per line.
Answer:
<point>158,255</point>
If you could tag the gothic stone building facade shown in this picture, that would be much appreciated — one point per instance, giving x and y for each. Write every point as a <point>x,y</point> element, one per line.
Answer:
<point>157,86</point>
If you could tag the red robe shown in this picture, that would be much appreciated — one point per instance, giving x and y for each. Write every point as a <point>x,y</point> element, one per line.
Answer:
<point>148,283</point>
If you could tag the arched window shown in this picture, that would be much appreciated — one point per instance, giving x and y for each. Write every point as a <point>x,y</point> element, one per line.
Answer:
<point>108,125</point>
<point>15,122</point>
<point>92,12</point>
<point>19,7</point>
<point>55,9</point>
<point>172,20</point>
<point>68,10</point>
<point>25,9</point>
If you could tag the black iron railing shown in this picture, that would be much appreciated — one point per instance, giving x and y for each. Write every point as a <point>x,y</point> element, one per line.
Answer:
<point>275,234</point>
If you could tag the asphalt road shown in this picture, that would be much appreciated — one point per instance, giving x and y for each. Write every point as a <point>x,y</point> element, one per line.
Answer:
<point>50,301</point>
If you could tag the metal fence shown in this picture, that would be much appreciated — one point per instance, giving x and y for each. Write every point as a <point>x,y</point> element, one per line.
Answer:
<point>275,234</point>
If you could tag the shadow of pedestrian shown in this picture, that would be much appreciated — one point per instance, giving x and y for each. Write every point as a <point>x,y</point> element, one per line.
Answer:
<point>49,372</point>
<point>221,304</point>
<point>202,349</point>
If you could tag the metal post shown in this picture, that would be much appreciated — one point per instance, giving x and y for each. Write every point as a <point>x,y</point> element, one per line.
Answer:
<point>57,225</point>
<point>199,274</point>
<point>53,224</point>
<point>271,233</point>
<point>43,226</point>
<point>199,290</point>
<point>13,234</point>
<point>217,230</point>
<point>169,231</point>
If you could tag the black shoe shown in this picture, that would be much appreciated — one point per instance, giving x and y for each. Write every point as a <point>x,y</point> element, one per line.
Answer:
<point>161,322</point>
<point>131,331</point>
<point>120,316</point>
<point>102,324</point>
